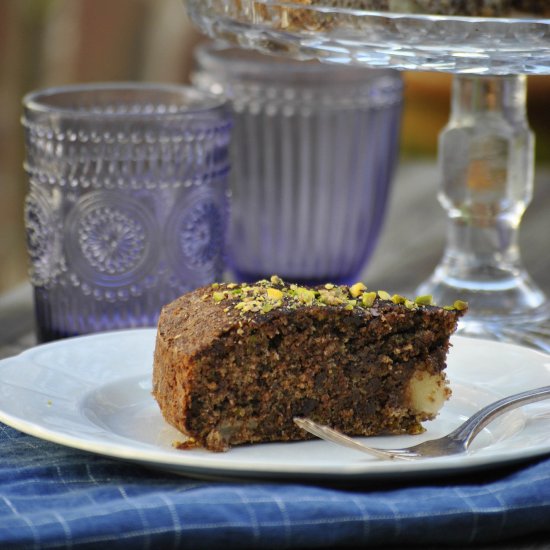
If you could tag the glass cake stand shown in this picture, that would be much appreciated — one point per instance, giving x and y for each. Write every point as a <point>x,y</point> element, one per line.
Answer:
<point>486,152</point>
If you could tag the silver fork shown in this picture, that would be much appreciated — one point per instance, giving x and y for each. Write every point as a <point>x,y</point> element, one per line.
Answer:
<point>454,443</point>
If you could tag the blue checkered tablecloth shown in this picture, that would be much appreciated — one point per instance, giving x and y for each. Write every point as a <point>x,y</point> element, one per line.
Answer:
<point>52,496</point>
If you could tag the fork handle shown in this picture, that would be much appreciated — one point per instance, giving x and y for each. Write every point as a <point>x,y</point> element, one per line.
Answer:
<point>468,431</point>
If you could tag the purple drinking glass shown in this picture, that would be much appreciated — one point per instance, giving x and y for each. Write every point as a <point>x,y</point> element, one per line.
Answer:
<point>127,202</point>
<point>313,153</point>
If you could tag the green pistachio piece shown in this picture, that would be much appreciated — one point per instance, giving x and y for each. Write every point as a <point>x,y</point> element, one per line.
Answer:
<point>331,298</point>
<point>304,295</point>
<point>357,289</point>
<point>383,295</point>
<point>218,296</point>
<point>398,299</point>
<point>267,307</point>
<point>367,299</point>
<point>274,294</point>
<point>426,300</point>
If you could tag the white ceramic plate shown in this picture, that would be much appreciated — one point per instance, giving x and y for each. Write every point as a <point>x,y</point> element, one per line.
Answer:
<point>94,393</point>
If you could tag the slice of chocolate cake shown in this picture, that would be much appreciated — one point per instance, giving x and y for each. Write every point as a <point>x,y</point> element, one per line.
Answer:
<point>236,363</point>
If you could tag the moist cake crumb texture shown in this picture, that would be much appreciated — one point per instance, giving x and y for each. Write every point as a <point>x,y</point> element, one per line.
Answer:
<point>235,363</point>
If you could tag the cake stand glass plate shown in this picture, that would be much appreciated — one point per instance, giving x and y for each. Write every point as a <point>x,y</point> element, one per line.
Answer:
<point>477,45</point>
<point>94,393</point>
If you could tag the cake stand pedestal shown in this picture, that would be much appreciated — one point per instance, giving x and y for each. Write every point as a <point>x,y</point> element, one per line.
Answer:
<point>486,171</point>
<point>486,152</point>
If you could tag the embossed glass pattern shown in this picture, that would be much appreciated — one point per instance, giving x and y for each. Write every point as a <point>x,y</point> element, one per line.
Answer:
<point>127,201</point>
<point>312,161</point>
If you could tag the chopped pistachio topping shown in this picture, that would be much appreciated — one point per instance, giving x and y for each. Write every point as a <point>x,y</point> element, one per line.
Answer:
<point>267,307</point>
<point>305,295</point>
<point>333,297</point>
<point>367,299</point>
<point>460,305</point>
<point>426,300</point>
<point>266,295</point>
<point>250,305</point>
<point>275,294</point>
<point>398,299</point>
<point>218,296</point>
<point>357,289</point>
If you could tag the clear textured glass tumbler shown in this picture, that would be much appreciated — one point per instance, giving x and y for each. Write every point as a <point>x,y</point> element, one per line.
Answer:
<point>127,201</point>
<point>313,152</point>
